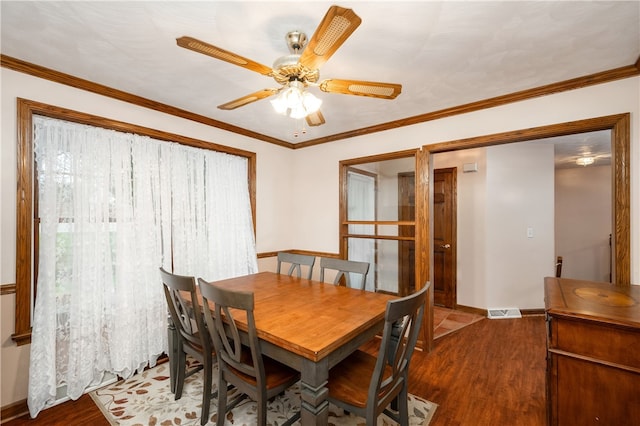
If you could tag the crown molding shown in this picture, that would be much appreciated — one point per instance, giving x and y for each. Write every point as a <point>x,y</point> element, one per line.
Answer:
<point>79,83</point>
<point>575,83</point>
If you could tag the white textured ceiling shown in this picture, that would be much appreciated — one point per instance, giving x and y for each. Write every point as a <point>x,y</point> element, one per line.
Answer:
<point>444,54</point>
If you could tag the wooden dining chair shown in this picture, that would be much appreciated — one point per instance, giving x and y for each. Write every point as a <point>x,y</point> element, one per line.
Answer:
<point>296,261</point>
<point>191,334</point>
<point>366,385</point>
<point>242,365</point>
<point>345,268</point>
<point>558,266</point>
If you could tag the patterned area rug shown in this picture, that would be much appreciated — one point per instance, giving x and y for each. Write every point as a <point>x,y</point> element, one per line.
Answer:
<point>146,399</point>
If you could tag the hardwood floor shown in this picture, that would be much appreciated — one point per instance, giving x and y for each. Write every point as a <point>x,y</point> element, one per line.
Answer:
<point>491,372</point>
<point>72,413</point>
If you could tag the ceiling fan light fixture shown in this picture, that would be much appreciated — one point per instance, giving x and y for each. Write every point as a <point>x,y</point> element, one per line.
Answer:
<point>301,68</point>
<point>295,101</point>
<point>311,103</point>
<point>585,161</point>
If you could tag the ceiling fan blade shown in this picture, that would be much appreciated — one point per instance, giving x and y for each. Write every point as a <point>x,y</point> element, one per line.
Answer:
<point>315,119</point>
<point>361,88</point>
<point>224,55</point>
<point>256,96</point>
<point>336,26</point>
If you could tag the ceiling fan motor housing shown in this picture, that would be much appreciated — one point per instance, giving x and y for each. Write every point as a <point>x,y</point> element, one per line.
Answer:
<point>288,68</point>
<point>296,41</point>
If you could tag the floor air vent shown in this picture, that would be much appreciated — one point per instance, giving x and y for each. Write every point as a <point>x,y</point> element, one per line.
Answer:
<point>504,313</point>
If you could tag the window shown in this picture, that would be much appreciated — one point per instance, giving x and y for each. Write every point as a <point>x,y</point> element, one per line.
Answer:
<point>27,200</point>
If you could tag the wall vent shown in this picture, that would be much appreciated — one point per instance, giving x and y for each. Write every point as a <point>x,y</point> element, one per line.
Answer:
<point>504,313</point>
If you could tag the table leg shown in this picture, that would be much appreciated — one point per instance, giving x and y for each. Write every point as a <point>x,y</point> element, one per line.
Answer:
<point>313,393</point>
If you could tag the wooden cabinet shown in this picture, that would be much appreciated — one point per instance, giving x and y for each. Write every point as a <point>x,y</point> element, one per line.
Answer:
<point>593,353</point>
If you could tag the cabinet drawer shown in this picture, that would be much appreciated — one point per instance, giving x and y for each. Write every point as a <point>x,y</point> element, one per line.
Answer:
<point>604,342</point>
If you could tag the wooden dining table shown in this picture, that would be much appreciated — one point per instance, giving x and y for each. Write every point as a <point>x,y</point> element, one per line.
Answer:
<point>310,326</point>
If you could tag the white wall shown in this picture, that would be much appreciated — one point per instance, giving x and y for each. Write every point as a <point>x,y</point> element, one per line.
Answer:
<point>583,222</point>
<point>582,207</point>
<point>306,218</point>
<point>497,264</point>
<point>317,166</point>
<point>519,217</point>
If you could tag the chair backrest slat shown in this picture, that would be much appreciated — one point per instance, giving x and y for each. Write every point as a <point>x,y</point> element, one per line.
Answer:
<point>185,312</point>
<point>296,261</point>
<point>225,334</point>
<point>345,268</point>
<point>402,321</point>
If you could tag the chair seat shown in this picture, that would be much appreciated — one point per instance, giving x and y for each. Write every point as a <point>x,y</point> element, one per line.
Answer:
<point>349,380</point>
<point>276,373</point>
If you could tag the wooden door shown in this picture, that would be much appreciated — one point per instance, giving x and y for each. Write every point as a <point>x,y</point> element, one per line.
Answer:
<point>406,249</point>
<point>444,237</point>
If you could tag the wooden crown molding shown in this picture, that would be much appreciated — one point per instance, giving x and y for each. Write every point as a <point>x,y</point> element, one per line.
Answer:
<point>575,83</point>
<point>69,80</point>
<point>79,83</point>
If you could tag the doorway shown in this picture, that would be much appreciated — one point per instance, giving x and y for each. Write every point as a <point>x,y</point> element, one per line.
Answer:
<point>444,237</point>
<point>620,144</point>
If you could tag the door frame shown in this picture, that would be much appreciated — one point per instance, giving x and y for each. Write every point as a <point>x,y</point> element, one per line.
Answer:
<point>620,126</point>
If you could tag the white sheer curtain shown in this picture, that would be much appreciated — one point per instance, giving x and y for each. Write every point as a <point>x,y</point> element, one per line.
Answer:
<point>214,239</point>
<point>362,206</point>
<point>109,210</point>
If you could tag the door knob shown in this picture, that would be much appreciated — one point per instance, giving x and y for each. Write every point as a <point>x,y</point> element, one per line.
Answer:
<point>445,246</point>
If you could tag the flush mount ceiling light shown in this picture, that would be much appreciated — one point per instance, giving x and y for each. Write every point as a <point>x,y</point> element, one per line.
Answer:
<point>585,161</point>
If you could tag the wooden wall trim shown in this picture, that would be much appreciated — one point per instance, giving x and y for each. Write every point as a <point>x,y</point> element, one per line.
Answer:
<point>7,289</point>
<point>575,83</point>
<point>267,254</point>
<point>424,263</point>
<point>621,181</point>
<point>13,410</point>
<point>24,225</point>
<point>79,83</point>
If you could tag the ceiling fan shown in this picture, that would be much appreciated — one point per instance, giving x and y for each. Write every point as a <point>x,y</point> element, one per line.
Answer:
<point>300,69</point>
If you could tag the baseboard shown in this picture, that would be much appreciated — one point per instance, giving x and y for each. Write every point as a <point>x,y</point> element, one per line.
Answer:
<point>471,310</point>
<point>13,410</point>
<point>531,312</point>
